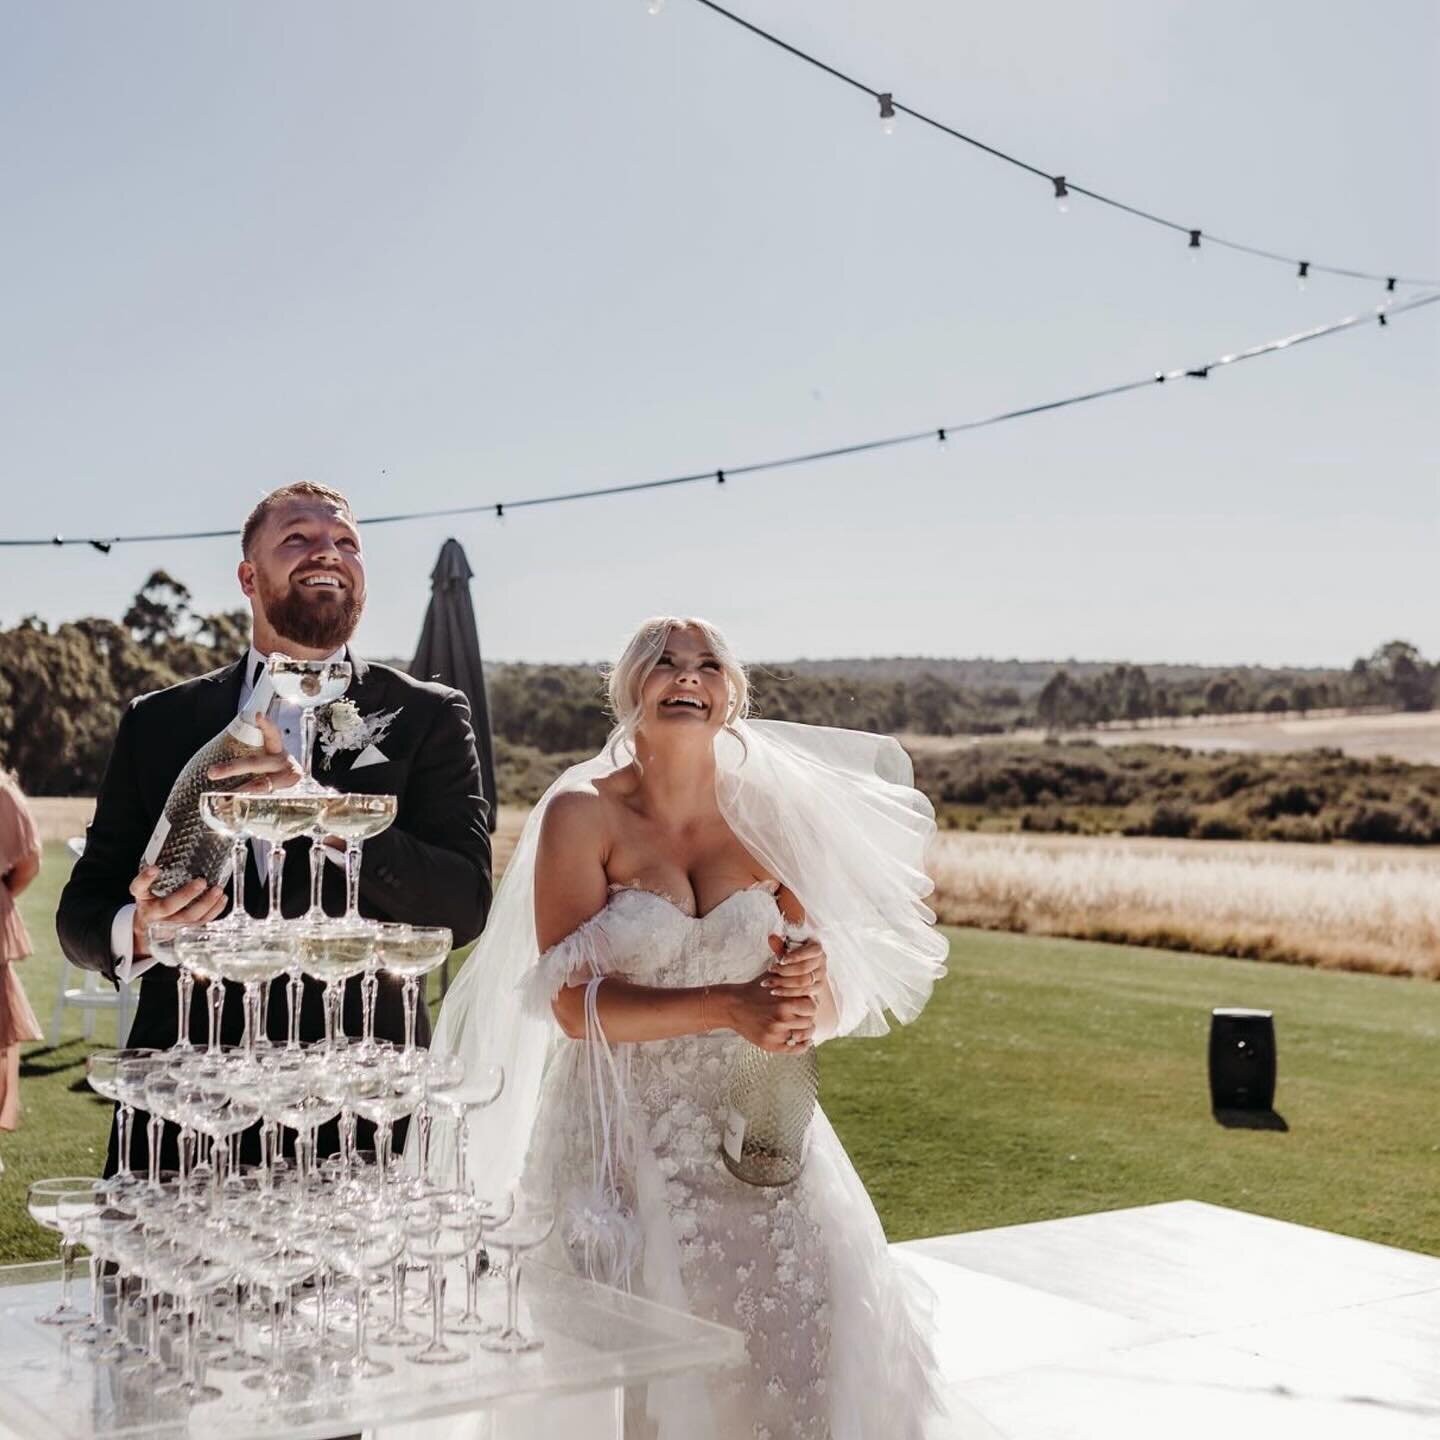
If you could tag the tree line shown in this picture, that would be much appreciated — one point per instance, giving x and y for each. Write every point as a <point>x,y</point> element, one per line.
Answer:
<point>62,689</point>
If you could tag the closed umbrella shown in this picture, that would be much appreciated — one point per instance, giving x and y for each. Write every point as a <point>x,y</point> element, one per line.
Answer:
<point>449,651</point>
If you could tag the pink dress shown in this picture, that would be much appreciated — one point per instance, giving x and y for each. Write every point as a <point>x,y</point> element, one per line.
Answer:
<point>17,1020</point>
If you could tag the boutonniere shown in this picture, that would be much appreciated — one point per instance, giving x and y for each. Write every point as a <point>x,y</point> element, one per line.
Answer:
<point>343,727</point>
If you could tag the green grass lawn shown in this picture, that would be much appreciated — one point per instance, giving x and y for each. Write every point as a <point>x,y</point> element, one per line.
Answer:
<point>1046,1078</point>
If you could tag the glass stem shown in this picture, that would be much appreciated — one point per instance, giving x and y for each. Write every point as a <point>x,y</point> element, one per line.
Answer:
<point>239,853</point>
<point>360,1319</point>
<point>293,995</point>
<point>94,1291</point>
<point>423,1122</point>
<point>462,1143</point>
<point>382,1150</point>
<point>192,1352</point>
<point>512,1292</point>
<point>309,723</point>
<point>317,875</point>
<point>437,1303</point>
<point>122,1141</point>
<point>369,990</point>
<point>347,1141</point>
<point>277,871</point>
<point>154,1133</point>
<point>252,1017</point>
<point>216,993</point>
<point>152,1338</point>
<point>410,994</point>
<point>397,1289</point>
<point>67,1271</point>
<point>353,851</point>
<point>182,1010</point>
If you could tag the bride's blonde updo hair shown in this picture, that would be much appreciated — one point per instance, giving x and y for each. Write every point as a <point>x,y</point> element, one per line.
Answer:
<point>627,676</point>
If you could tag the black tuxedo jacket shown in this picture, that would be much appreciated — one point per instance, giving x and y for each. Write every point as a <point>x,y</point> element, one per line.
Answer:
<point>431,867</point>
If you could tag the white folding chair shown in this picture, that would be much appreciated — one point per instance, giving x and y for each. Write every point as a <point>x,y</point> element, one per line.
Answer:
<point>92,994</point>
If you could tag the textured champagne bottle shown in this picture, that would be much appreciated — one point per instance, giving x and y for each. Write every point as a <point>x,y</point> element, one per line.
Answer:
<point>771,1102</point>
<point>182,844</point>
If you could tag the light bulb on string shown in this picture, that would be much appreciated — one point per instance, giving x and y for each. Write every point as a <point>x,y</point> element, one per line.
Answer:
<point>941,438</point>
<point>1194,247</point>
<point>654,7</point>
<point>1062,194</point>
<point>887,113</point>
<point>1301,275</point>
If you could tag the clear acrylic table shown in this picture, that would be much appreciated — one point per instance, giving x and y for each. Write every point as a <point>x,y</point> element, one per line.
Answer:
<point>597,1341</point>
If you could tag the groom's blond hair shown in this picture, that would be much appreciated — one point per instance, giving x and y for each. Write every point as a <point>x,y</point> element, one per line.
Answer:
<point>313,488</point>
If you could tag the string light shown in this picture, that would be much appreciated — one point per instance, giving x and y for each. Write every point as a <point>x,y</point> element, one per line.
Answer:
<point>655,6</point>
<point>1134,211</point>
<point>887,113</point>
<point>930,436</point>
<point>1062,195</point>
<point>1194,246</point>
<point>1301,274</point>
<point>941,438</point>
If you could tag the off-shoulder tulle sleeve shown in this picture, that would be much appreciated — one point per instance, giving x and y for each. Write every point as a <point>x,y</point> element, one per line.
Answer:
<point>18,837</point>
<point>581,956</point>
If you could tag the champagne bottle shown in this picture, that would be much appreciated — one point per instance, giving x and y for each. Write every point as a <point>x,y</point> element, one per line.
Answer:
<point>771,1101</point>
<point>182,844</point>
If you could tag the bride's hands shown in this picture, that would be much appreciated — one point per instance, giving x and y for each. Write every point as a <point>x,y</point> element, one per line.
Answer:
<point>777,1010</point>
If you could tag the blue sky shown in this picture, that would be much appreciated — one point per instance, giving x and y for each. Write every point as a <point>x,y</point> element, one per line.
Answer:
<point>460,252</point>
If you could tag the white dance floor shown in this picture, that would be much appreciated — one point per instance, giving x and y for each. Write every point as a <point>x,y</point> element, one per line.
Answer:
<point>1183,1322</point>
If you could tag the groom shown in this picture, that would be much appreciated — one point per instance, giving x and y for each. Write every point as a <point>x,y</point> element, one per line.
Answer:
<point>304,575</point>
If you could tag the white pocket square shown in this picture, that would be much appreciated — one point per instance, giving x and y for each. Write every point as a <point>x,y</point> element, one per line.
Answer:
<point>370,755</point>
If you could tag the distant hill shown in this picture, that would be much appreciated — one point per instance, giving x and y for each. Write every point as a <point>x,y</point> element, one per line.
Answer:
<point>1029,677</point>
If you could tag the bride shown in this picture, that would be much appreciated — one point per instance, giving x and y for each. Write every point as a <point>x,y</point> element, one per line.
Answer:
<point>639,931</point>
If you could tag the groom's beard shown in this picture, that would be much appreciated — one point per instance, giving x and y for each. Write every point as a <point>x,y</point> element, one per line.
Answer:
<point>316,622</point>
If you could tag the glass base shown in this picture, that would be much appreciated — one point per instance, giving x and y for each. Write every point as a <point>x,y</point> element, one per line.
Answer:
<point>471,1325</point>
<point>62,1315</point>
<point>434,1354</point>
<point>190,1391</point>
<point>360,1367</point>
<point>402,1338</point>
<point>510,1342</point>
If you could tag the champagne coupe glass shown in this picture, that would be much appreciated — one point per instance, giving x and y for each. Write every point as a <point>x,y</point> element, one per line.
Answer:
<point>333,953</point>
<point>438,1229</point>
<point>411,951</point>
<point>382,1096</point>
<point>309,684</point>
<point>529,1225</point>
<point>102,1071</point>
<point>189,1277</point>
<point>257,956</point>
<point>279,1266</point>
<point>160,935</point>
<point>99,1234</point>
<point>224,812</point>
<point>277,817</point>
<point>363,1244</point>
<point>129,1084</point>
<point>60,1205</point>
<point>356,818</point>
<point>197,949</point>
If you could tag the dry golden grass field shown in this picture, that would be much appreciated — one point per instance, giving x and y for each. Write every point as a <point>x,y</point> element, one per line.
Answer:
<point>1349,907</point>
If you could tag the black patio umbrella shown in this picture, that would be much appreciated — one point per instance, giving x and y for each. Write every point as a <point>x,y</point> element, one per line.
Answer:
<point>449,651</point>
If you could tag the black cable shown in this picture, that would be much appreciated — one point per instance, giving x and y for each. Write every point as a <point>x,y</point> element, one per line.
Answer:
<point>721,475</point>
<point>1036,170</point>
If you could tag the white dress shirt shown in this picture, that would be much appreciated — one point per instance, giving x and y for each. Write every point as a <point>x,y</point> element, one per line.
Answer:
<point>287,716</point>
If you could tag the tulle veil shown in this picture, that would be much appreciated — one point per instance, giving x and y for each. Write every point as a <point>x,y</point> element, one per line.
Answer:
<point>831,813</point>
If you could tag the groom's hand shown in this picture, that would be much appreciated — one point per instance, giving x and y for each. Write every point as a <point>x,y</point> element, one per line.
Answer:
<point>271,770</point>
<point>194,903</point>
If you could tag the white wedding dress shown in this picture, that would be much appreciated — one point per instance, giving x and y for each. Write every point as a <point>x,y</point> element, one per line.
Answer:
<point>836,1334</point>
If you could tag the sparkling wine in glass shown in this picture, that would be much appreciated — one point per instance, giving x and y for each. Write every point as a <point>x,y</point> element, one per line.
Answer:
<point>277,818</point>
<point>356,818</point>
<point>309,684</point>
<point>412,951</point>
<point>223,811</point>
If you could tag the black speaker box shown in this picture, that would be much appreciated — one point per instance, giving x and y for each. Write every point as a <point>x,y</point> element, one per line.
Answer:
<point>1242,1059</point>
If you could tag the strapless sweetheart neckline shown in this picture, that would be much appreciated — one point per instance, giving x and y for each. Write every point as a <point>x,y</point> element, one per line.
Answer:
<point>768,888</point>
